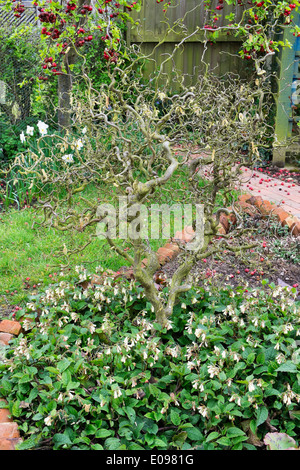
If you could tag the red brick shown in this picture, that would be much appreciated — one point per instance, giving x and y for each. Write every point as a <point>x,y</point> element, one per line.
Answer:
<point>292,222</point>
<point>8,444</point>
<point>247,208</point>
<point>266,207</point>
<point>165,255</point>
<point>231,217</point>
<point>255,201</point>
<point>296,229</point>
<point>5,337</point>
<point>10,326</point>
<point>244,198</point>
<point>172,246</point>
<point>186,235</point>
<point>5,415</point>
<point>4,412</point>
<point>280,214</point>
<point>224,221</point>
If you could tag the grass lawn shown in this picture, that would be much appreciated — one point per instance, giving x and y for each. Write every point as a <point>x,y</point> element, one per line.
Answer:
<point>32,255</point>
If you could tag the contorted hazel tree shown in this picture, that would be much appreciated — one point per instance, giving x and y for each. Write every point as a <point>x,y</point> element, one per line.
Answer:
<point>139,147</point>
<point>67,25</point>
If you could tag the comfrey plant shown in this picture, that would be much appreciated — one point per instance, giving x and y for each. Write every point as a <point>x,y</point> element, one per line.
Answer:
<point>89,372</point>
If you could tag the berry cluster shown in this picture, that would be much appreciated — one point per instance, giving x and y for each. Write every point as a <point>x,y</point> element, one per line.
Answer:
<point>18,10</point>
<point>111,55</point>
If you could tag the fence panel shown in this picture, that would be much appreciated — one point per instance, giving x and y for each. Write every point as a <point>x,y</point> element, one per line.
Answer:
<point>197,51</point>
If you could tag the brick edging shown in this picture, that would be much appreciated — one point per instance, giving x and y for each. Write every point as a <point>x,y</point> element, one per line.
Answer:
<point>271,209</point>
<point>9,433</point>
<point>247,203</point>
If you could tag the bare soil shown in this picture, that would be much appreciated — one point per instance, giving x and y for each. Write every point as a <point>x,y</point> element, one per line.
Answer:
<point>276,258</point>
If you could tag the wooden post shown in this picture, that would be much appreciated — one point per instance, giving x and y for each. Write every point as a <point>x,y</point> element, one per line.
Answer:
<point>283,124</point>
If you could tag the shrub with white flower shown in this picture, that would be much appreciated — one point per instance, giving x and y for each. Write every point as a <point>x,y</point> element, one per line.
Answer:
<point>79,144</point>
<point>68,158</point>
<point>22,137</point>
<point>30,130</point>
<point>43,128</point>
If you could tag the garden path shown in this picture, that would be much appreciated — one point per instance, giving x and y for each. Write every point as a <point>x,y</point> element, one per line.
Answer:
<point>285,194</point>
<point>258,183</point>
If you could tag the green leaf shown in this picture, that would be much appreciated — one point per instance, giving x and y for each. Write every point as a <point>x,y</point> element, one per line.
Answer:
<point>66,377</point>
<point>175,418</point>
<point>28,443</point>
<point>288,366</point>
<point>224,441</point>
<point>295,414</point>
<point>179,439</point>
<point>234,432</point>
<point>150,427</point>
<point>61,439</point>
<point>250,358</point>
<point>260,359</point>
<point>63,365</point>
<point>112,443</point>
<point>16,410</point>
<point>103,433</point>
<point>261,415</point>
<point>159,443</point>
<point>194,434</point>
<point>130,413</point>
<point>135,446</point>
<point>96,447</point>
<point>212,436</point>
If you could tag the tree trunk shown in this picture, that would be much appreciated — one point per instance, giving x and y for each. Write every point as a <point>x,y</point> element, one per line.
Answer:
<point>65,91</point>
<point>65,82</point>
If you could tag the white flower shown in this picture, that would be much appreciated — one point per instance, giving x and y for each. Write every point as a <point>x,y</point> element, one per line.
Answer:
<point>203,410</point>
<point>79,144</point>
<point>48,421</point>
<point>29,130</point>
<point>213,370</point>
<point>68,158</point>
<point>87,407</point>
<point>22,137</point>
<point>117,393</point>
<point>288,396</point>
<point>42,128</point>
<point>84,130</point>
<point>251,386</point>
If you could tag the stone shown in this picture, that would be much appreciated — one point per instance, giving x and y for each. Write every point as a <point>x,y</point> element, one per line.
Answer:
<point>10,326</point>
<point>5,338</point>
<point>9,431</point>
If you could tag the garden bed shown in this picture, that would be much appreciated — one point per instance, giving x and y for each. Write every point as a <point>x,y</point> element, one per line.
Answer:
<point>275,259</point>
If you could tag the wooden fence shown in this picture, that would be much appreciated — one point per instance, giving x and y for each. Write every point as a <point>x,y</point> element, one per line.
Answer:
<point>8,19</point>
